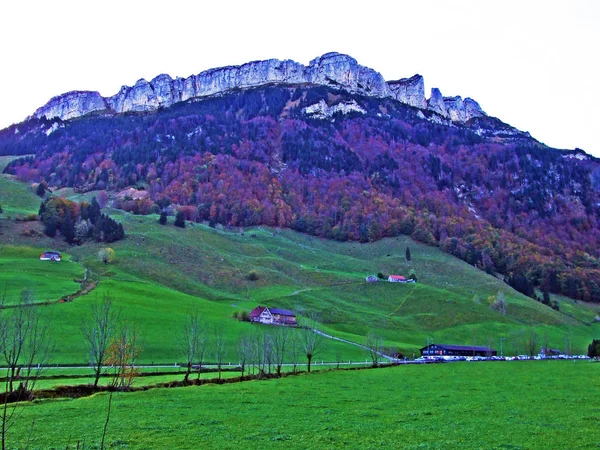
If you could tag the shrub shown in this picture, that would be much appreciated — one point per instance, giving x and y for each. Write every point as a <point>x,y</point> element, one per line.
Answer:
<point>106,255</point>
<point>163,218</point>
<point>245,317</point>
<point>180,220</point>
<point>236,315</point>
<point>41,189</point>
<point>381,276</point>
<point>252,276</point>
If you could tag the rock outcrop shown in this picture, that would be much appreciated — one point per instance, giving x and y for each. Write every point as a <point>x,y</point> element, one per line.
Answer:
<point>332,69</point>
<point>436,103</point>
<point>454,108</point>
<point>322,111</point>
<point>72,104</point>
<point>342,71</point>
<point>410,91</point>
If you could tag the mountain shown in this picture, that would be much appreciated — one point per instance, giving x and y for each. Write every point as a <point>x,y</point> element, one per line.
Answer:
<point>332,69</point>
<point>329,149</point>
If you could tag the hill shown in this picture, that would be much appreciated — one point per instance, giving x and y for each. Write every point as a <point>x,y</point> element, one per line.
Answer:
<point>340,165</point>
<point>161,272</point>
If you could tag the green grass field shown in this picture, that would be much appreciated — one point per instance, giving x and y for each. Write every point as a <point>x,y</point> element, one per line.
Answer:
<point>516,405</point>
<point>161,272</point>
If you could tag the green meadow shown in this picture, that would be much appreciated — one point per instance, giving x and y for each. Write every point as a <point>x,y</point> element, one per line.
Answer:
<point>506,405</point>
<point>162,272</point>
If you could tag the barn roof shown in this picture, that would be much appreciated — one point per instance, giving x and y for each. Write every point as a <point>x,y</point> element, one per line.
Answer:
<point>257,311</point>
<point>469,348</point>
<point>397,277</point>
<point>282,312</point>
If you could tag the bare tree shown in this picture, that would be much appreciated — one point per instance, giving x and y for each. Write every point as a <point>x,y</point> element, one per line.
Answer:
<point>568,345</point>
<point>25,346</point>
<point>220,348</point>
<point>490,346</point>
<point>267,351</point>
<point>280,339</point>
<point>98,330</point>
<point>122,354</point>
<point>258,351</point>
<point>25,343</point>
<point>499,303</point>
<point>312,341</point>
<point>517,337</point>
<point>374,344</point>
<point>192,342</point>
<point>244,351</point>
<point>295,349</point>
<point>530,342</point>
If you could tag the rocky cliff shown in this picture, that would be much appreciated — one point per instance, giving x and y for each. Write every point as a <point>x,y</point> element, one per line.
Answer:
<point>72,104</point>
<point>332,69</point>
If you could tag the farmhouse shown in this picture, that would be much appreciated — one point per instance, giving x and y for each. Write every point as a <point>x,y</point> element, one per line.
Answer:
<point>50,256</point>
<point>273,316</point>
<point>396,279</point>
<point>456,350</point>
<point>550,352</point>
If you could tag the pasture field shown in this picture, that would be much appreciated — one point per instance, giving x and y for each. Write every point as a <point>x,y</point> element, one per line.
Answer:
<point>162,272</point>
<point>17,199</point>
<point>492,405</point>
<point>21,268</point>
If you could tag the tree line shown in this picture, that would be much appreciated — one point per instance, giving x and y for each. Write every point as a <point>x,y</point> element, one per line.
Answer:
<point>78,222</point>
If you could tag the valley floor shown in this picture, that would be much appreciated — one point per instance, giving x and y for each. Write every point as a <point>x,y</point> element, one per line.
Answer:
<point>517,405</point>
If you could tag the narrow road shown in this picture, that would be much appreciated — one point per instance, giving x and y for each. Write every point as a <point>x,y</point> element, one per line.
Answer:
<point>383,355</point>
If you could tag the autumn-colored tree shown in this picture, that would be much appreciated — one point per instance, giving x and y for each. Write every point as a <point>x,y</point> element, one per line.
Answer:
<point>99,330</point>
<point>122,354</point>
<point>106,255</point>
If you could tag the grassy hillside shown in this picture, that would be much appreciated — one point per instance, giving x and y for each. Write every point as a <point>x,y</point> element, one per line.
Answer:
<point>15,198</point>
<point>161,272</point>
<point>20,268</point>
<point>518,405</point>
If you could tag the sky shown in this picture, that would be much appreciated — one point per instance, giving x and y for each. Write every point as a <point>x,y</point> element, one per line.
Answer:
<point>533,64</point>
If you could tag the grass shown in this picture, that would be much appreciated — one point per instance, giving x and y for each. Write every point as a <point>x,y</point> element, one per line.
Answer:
<point>16,198</point>
<point>21,268</point>
<point>162,272</point>
<point>517,405</point>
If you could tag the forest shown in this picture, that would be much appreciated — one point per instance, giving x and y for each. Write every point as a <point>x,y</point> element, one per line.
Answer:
<point>500,201</point>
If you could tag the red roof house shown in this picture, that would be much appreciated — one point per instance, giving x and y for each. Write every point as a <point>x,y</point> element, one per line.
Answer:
<point>273,316</point>
<point>396,279</point>
<point>50,256</point>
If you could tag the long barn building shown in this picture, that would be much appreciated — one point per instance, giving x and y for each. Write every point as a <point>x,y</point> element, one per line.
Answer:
<point>456,350</point>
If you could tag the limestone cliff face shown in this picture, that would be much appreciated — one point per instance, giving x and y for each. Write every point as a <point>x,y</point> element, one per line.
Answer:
<point>72,104</point>
<point>436,103</point>
<point>454,108</point>
<point>342,71</point>
<point>332,69</point>
<point>410,91</point>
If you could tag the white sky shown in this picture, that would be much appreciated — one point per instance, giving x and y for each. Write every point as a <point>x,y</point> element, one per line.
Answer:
<point>533,64</point>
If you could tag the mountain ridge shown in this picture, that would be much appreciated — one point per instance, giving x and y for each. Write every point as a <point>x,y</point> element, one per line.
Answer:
<point>345,166</point>
<point>331,69</point>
